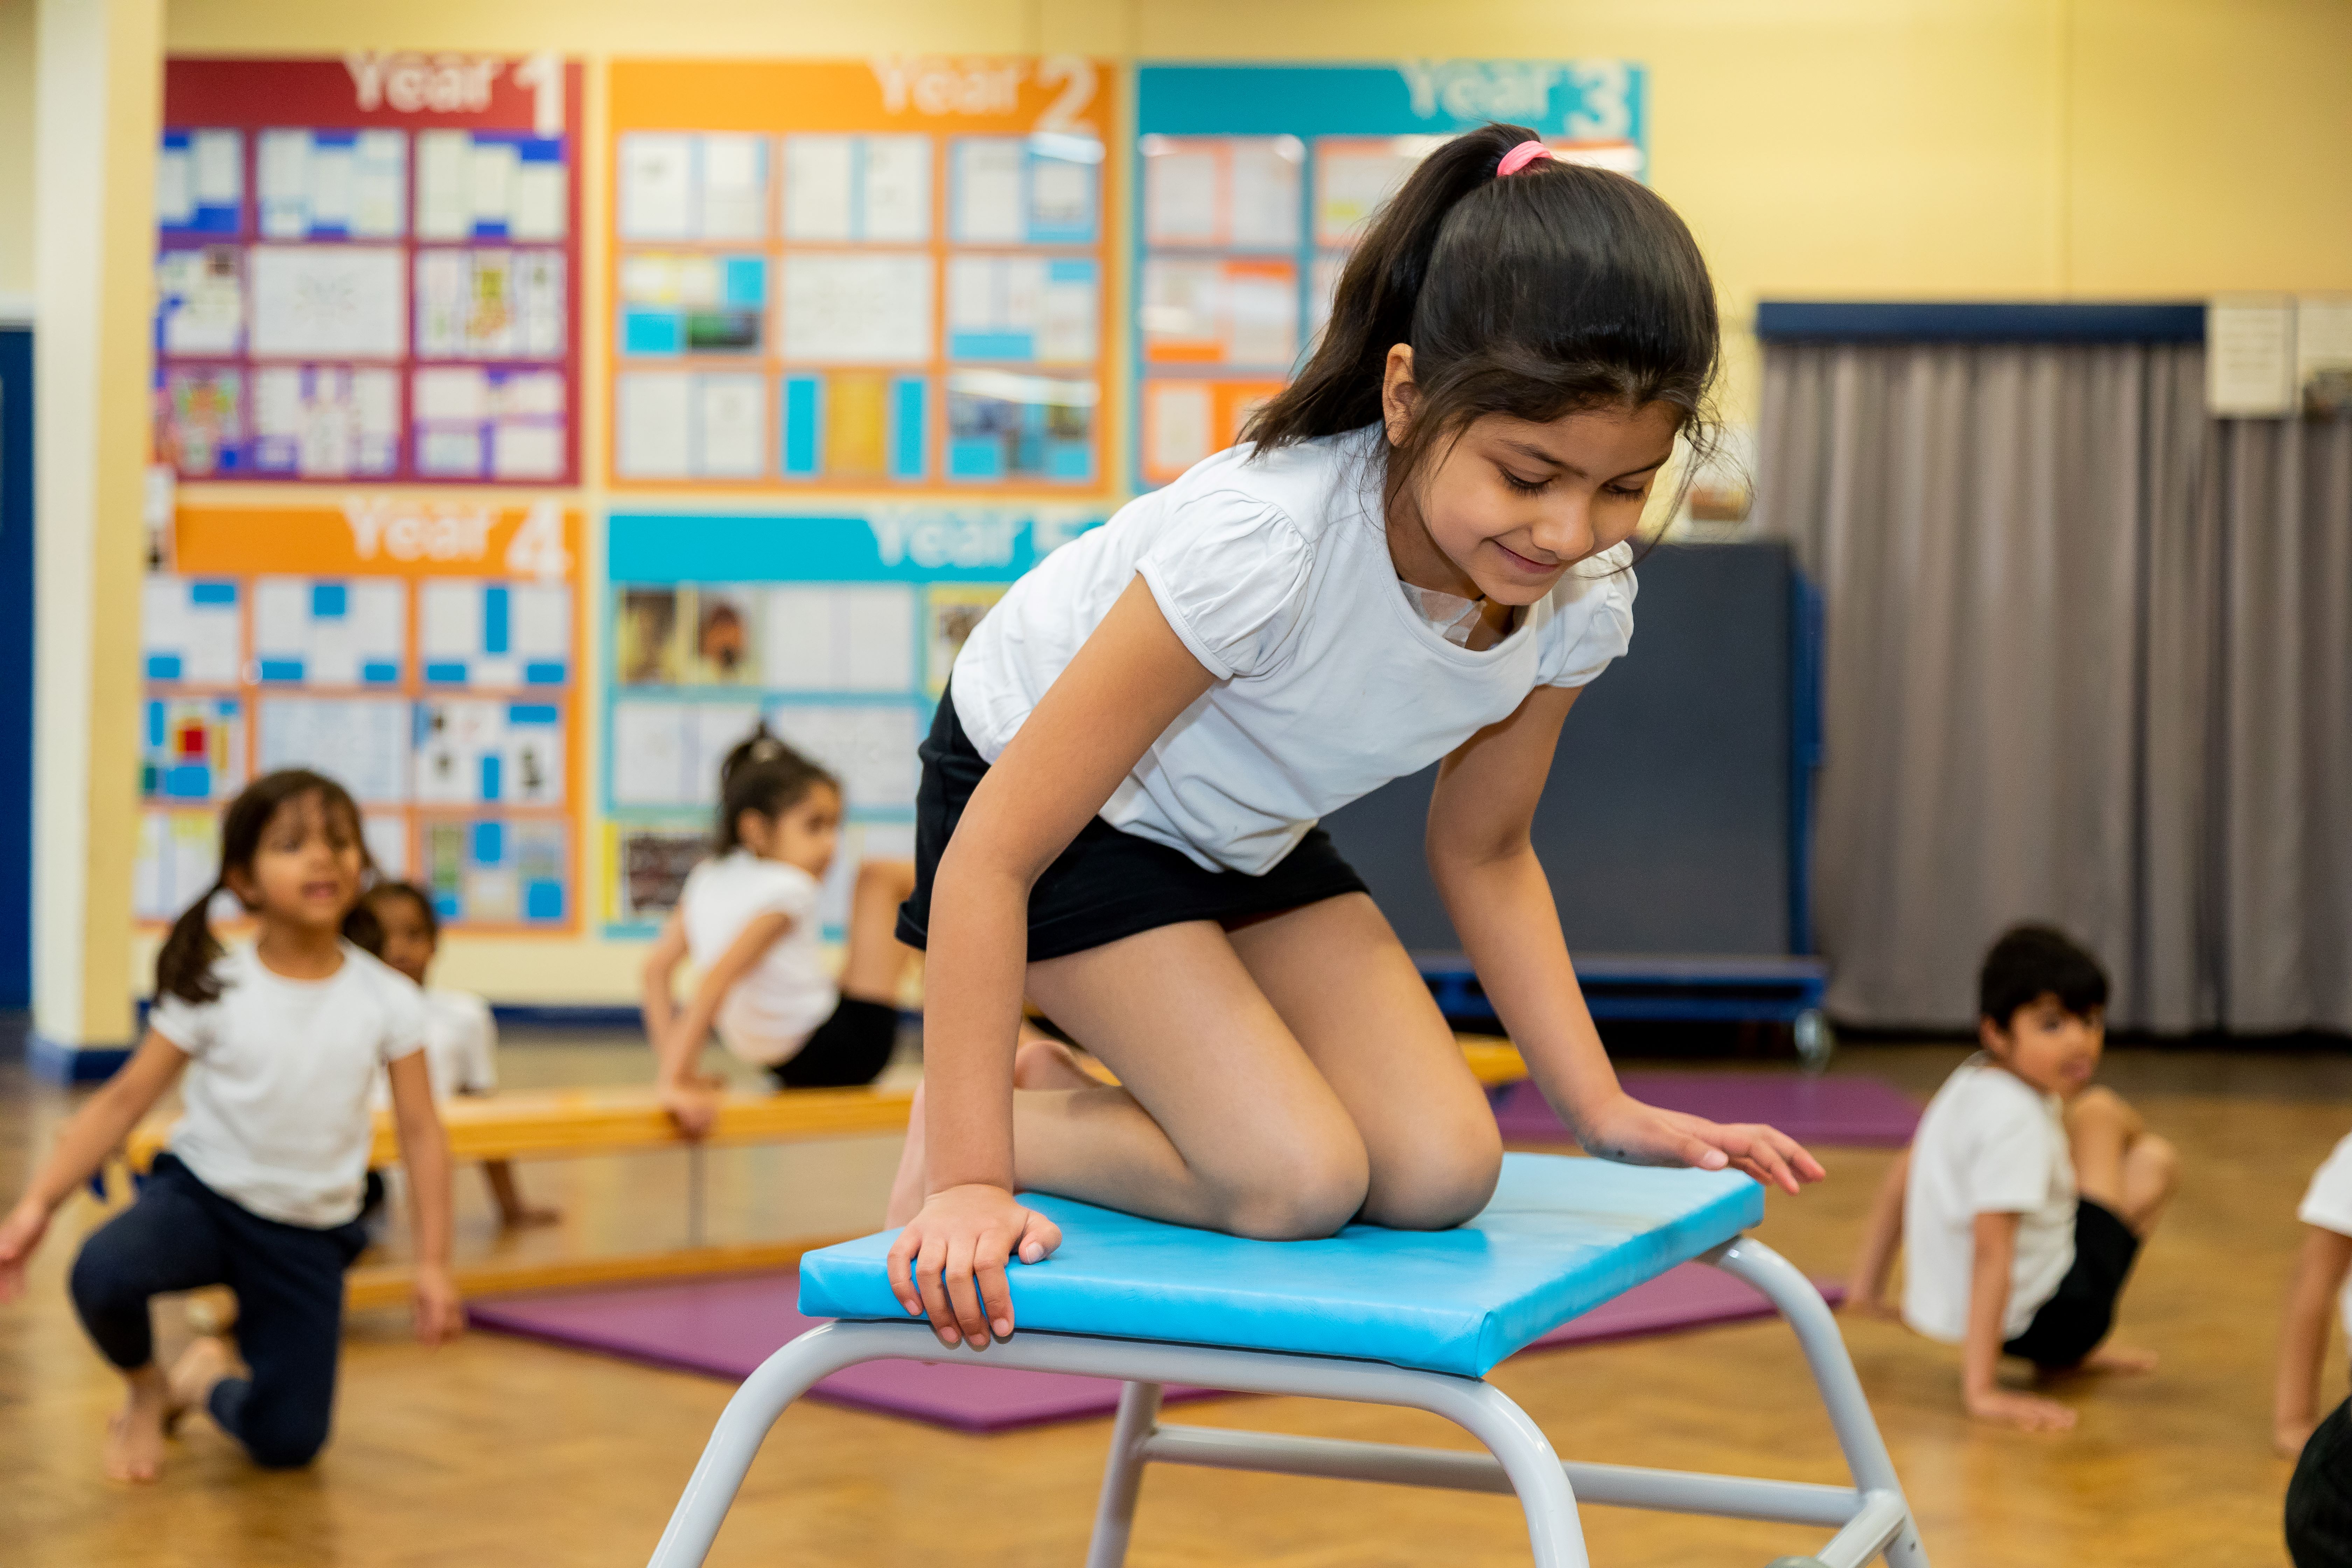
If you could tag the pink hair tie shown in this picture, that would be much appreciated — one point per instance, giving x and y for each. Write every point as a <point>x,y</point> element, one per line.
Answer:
<point>1519,157</point>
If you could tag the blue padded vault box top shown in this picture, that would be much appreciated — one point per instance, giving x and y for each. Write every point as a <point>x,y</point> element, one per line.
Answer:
<point>1561,1236</point>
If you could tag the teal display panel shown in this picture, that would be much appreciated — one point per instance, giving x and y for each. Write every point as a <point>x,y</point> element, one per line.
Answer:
<point>1253,182</point>
<point>837,631</point>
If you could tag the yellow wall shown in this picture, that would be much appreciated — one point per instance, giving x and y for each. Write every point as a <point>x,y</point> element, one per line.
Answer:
<point>15,155</point>
<point>2092,149</point>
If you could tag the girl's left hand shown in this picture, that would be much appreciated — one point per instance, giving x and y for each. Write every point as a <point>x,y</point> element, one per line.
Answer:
<point>1627,1130</point>
<point>440,1315</point>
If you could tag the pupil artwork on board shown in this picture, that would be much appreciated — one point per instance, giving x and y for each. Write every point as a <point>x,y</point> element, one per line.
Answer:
<point>828,276</point>
<point>882,285</point>
<point>349,286</point>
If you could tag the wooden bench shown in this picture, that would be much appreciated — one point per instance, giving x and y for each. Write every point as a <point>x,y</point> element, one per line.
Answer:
<point>531,1124</point>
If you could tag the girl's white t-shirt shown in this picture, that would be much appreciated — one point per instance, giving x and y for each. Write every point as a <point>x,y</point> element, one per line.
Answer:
<point>1988,1143</point>
<point>1275,574</point>
<point>771,1011</point>
<point>2328,1204</point>
<point>461,1047</point>
<point>276,1098</point>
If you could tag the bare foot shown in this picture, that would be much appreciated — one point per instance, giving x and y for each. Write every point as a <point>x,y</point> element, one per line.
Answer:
<point>2128,1361</point>
<point>1870,1307</point>
<point>907,1187</point>
<point>1042,1062</point>
<point>531,1218</point>
<point>204,1363</point>
<point>134,1434</point>
<point>2023,1411</point>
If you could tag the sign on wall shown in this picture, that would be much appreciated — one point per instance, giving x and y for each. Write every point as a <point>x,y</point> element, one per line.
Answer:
<point>868,275</point>
<point>837,632</point>
<point>367,267</point>
<point>425,654</point>
<point>1254,183</point>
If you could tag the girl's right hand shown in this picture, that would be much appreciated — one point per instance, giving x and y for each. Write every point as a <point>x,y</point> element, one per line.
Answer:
<point>693,1106</point>
<point>949,1260</point>
<point>19,1234</point>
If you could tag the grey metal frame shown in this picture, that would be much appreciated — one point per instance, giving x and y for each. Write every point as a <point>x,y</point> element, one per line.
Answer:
<point>1871,1517</point>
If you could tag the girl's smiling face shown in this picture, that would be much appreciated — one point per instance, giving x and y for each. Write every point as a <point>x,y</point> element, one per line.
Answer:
<point>1503,510</point>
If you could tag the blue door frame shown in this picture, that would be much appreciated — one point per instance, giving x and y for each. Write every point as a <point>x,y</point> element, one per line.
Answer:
<point>16,662</point>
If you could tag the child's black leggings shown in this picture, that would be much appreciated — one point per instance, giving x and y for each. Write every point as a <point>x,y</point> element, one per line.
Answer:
<point>289,1280</point>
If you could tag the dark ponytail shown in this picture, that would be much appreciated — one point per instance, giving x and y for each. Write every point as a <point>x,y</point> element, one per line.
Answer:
<point>763,775</point>
<point>1541,293</point>
<point>184,968</point>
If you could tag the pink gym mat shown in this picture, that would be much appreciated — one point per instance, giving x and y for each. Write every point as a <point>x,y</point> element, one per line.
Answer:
<point>1849,1108</point>
<point>727,1326</point>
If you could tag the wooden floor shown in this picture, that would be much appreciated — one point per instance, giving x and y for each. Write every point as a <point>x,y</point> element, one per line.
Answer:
<point>498,1451</point>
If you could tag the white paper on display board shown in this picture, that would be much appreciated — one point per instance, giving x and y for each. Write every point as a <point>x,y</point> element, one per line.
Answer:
<point>281,617</point>
<point>1180,425</point>
<point>987,190</point>
<point>734,187</point>
<point>1266,191</point>
<point>175,192</point>
<point>449,395</point>
<point>449,620</point>
<point>820,637</point>
<point>282,180</point>
<point>2322,336</point>
<point>732,421</point>
<point>387,842</point>
<point>219,159</point>
<point>1061,194</point>
<point>868,309</point>
<point>1262,318</point>
<point>654,424</point>
<point>657,183</point>
<point>328,301</point>
<point>1180,198</point>
<point>542,205</point>
<point>2250,357</point>
<point>871,748</point>
<point>203,301</point>
<point>526,452</point>
<point>491,175</point>
<point>539,620</point>
<point>380,184</point>
<point>331,180</point>
<point>648,755</point>
<point>359,741</point>
<point>898,188</point>
<point>818,197</point>
<point>444,184</point>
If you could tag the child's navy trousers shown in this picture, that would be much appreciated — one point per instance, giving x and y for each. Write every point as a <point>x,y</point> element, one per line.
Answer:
<point>289,1280</point>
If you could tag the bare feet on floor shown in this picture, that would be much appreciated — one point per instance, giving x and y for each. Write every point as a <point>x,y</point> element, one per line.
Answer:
<point>204,1363</point>
<point>1042,1062</point>
<point>2126,1361</point>
<point>134,1434</point>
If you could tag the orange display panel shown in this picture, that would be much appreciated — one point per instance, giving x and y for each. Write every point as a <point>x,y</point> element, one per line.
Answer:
<point>427,653</point>
<point>883,275</point>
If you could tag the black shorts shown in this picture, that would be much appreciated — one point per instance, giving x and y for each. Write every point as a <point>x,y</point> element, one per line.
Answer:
<point>2319,1498</point>
<point>847,1050</point>
<point>2070,1325</point>
<point>1107,884</point>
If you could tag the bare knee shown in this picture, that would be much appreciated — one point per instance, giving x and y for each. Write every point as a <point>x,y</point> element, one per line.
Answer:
<point>891,878</point>
<point>2155,1155</point>
<point>1305,1192</point>
<point>2101,1107</point>
<point>1437,1184</point>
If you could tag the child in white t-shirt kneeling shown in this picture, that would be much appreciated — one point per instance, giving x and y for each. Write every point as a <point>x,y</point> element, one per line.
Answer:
<point>2026,1193</point>
<point>461,1037</point>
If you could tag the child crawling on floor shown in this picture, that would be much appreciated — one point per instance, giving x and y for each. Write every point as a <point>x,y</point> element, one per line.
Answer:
<point>2027,1192</point>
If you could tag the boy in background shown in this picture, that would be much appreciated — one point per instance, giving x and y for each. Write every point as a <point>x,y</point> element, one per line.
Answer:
<point>2319,1498</point>
<point>2026,1193</point>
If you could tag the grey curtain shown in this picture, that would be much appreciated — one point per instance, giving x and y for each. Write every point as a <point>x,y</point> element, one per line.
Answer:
<point>2089,660</point>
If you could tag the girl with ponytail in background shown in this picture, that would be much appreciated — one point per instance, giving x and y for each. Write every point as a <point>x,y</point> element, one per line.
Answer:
<point>1420,552</point>
<point>280,1044</point>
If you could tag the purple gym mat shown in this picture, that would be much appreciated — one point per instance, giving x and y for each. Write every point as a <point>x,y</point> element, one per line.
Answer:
<point>1836,1109</point>
<point>727,1326</point>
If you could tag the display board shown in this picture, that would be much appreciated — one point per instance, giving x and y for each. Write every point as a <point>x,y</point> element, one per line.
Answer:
<point>425,654</point>
<point>838,631</point>
<point>866,275</point>
<point>1254,183</point>
<point>368,267</point>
